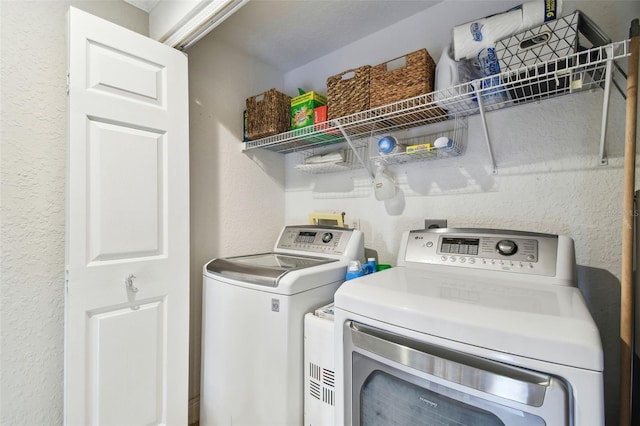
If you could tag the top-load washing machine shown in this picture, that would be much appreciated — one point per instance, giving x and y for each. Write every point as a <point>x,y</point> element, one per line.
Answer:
<point>473,327</point>
<point>252,325</point>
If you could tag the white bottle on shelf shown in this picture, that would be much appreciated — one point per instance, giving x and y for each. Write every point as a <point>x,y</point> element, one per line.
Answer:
<point>384,185</point>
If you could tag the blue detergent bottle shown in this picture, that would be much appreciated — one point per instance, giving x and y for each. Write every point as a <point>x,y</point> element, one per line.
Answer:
<point>354,270</point>
<point>370,267</point>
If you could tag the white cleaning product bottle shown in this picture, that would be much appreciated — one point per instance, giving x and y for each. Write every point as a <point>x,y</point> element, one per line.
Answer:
<point>384,186</point>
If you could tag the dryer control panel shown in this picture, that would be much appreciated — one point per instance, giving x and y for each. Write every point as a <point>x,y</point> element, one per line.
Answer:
<point>487,249</point>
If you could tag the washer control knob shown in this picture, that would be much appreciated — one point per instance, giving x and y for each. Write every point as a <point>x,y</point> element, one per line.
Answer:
<point>506,247</point>
<point>326,237</point>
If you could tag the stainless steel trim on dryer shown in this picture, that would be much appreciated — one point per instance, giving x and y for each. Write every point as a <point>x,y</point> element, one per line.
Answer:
<point>502,380</point>
<point>397,374</point>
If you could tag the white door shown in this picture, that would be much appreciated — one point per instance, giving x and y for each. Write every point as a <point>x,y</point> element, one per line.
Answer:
<point>127,242</point>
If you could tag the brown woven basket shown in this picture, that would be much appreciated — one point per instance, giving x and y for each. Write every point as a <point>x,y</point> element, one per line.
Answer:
<point>413,79</point>
<point>268,114</point>
<point>348,94</point>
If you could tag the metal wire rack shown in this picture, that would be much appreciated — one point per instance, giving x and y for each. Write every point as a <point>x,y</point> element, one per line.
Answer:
<point>452,130</point>
<point>581,71</point>
<point>333,160</point>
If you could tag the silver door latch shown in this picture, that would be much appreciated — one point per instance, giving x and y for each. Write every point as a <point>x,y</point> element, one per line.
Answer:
<point>129,282</point>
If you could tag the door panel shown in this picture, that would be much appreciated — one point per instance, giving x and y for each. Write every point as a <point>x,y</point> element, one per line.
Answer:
<point>127,242</point>
<point>126,188</point>
<point>129,380</point>
<point>118,72</point>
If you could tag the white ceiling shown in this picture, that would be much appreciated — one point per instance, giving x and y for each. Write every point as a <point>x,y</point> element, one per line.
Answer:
<point>146,5</point>
<point>289,33</point>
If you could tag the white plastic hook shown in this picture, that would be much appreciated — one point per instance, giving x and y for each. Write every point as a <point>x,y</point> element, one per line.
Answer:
<point>129,283</point>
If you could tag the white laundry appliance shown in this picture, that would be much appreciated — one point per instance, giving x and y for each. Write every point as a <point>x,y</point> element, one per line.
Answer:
<point>474,327</point>
<point>253,316</point>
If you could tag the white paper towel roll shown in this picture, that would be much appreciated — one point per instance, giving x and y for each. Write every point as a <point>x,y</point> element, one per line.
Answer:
<point>470,38</point>
<point>535,13</point>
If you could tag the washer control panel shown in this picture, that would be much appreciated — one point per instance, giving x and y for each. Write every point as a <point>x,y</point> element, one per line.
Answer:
<point>513,251</point>
<point>328,240</point>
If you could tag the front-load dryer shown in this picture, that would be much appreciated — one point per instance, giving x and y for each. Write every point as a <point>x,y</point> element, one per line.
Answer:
<point>252,325</point>
<point>473,327</point>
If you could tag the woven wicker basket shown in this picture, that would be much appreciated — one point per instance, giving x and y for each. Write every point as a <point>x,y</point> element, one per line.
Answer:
<point>413,79</point>
<point>348,94</point>
<point>268,114</point>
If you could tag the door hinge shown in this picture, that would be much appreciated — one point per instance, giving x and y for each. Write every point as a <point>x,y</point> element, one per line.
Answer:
<point>68,82</point>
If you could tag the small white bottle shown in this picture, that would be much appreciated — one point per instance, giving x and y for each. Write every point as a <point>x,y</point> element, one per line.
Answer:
<point>384,185</point>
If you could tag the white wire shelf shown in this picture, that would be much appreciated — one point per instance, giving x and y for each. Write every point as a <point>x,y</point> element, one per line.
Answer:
<point>453,130</point>
<point>332,161</point>
<point>581,71</point>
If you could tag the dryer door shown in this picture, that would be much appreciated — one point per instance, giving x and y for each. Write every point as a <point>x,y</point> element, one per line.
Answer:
<point>396,380</point>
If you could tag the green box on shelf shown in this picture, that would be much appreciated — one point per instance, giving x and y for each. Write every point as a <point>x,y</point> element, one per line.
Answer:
<point>302,109</point>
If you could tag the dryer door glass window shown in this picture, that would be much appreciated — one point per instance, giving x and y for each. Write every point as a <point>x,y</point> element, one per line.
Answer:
<point>385,396</point>
<point>387,400</point>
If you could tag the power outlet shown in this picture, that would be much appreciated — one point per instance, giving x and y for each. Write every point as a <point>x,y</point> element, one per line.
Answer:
<point>435,223</point>
<point>355,223</point>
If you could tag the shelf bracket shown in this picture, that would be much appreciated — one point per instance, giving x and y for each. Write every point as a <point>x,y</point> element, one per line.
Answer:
<point>487,138</point>
<point>605,110</point>
<point>352,147</point>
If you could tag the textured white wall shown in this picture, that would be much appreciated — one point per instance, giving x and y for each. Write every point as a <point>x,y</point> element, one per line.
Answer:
<point>33,69</point>
<point>237,200</point>
<point>539,186</point>
<point>548,176</point>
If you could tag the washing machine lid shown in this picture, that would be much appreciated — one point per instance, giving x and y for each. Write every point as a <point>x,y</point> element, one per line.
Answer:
<point>265,269</point>
<point>546,322</point>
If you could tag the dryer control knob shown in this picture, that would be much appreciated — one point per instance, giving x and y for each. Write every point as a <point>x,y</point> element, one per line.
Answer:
<point>326,237</point>
<point>506,247</point>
